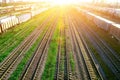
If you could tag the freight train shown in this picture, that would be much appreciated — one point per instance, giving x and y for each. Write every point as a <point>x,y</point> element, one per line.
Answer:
<point>8,9</point>
<point>7,22</point>
<point>113,12</point>
<point>107,25</point>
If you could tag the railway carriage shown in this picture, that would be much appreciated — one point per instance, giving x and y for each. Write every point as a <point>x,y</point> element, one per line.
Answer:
<point>36,12</point>
<point>0,28</point>
<point>109,26</point>
<point>4,10</point>
<point>104,10</point>
<point>8,22</point>
<point>6,26</point>
<point>102,23</point>
<point>24,17</point>
<point>110,11</point>
<point>7,9</point>
<point>115,31</point>
<point>90,16</point>
<point>117,13</point>
<point>22,7</point>
<point>14,21</point>
<point>3,26</point>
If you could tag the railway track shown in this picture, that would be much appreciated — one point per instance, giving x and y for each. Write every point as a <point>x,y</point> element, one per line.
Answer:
<point>70,75</point>
<point>63,67</point>
<point>95,61</point>
<point>57,73</point>
<point>11,62</point>
<point>98,69</point>
<point>91,53</point>
<point>85,53</point>
<point>71,71</point>
<point>105,52</point>
<point>61,64</point>
<point>12,41</point>
<point>109,56</point>
<point>76,74</point>
<point>36,65</point>
<point>92,65</point>
<point>72,39</point>
<point>83,73</point>
<point>106,56</point>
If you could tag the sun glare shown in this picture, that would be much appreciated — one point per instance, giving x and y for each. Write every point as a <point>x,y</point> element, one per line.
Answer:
<point>62,2</point>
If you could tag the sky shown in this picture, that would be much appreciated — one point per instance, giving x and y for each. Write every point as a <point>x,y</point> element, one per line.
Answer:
<point>56,0</point>
<point>75,0</point>
<point>50,0</point>
<point>67,0</point>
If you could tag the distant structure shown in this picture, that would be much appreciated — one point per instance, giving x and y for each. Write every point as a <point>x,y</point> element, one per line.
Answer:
<point>19,0</point>
<point>7,1</point>
<point>11,1</point>
<point>4,1</point>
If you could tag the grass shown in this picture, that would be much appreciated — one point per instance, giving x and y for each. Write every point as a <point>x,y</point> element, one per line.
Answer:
<point>72,62</point>
<point>17,73</point>
<point>50,65</point>
<point>48,73</point>
<point>71,55</point>
<point>32,24</point>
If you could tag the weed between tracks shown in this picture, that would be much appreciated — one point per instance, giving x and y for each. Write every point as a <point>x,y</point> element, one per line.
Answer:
<point>72,62</point>
<point>50,67</point>
<point>49,71</point>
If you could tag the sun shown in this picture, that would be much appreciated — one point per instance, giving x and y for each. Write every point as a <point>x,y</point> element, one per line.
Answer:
<point>62,2</point>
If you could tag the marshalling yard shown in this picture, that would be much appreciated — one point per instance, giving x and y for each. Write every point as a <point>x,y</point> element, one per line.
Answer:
<point>40,41</point>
